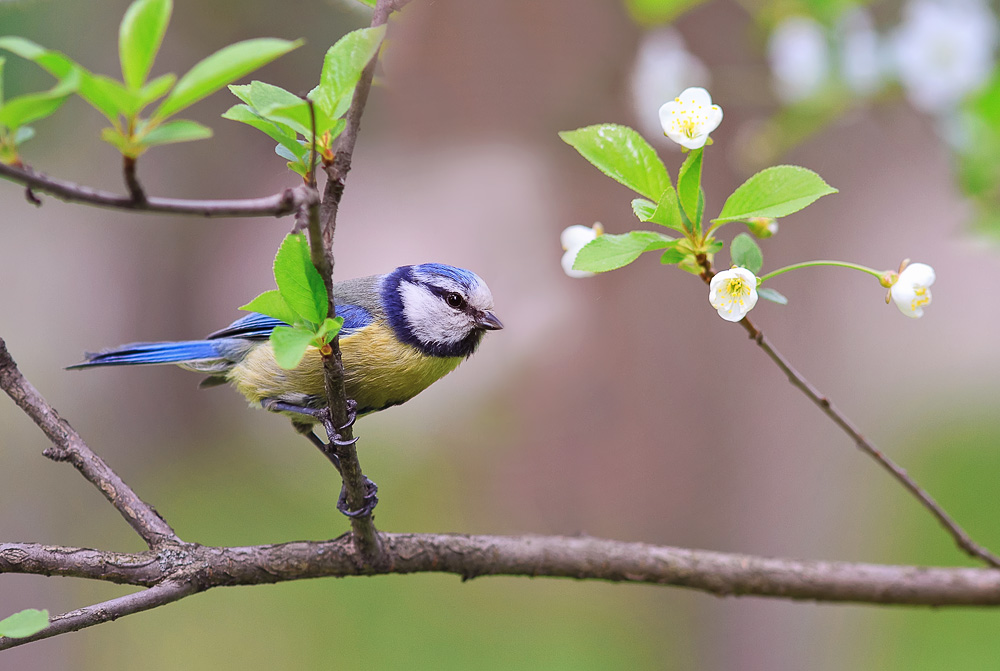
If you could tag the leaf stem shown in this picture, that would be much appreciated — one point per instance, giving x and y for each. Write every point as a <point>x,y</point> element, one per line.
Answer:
<point>822,262</point>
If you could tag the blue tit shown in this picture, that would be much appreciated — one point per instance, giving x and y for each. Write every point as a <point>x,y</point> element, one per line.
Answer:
<point>402,331</point>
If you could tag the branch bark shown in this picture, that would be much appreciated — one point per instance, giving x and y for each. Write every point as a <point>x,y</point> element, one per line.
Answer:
<point>67,445</point>
<point>277,205</point>
<point>184,569</point>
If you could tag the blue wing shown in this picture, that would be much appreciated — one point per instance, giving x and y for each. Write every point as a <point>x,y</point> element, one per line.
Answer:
<point>256,326</point>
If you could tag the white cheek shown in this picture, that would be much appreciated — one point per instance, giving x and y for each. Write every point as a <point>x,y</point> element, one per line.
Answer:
<point>429,318</point>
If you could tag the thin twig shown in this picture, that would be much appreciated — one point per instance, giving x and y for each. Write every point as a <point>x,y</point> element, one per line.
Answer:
<point>162,594</point>
<point>67,445</point>
<point>277,205</point>
<point>135,189</point>
<point>962,538</point>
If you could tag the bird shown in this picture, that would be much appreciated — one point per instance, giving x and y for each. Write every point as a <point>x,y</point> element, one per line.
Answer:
<point>402,331</point>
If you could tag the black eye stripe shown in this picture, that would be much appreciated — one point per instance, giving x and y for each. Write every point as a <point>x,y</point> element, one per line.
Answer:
<point>448,296</point>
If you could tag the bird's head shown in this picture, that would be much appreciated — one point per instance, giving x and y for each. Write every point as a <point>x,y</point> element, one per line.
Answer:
<point>441,310</point>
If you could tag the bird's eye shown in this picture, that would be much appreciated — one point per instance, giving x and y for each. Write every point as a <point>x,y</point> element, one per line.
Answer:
<point>455,300</point>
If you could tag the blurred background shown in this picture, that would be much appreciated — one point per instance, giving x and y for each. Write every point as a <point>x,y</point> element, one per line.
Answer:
<point>619,406</point>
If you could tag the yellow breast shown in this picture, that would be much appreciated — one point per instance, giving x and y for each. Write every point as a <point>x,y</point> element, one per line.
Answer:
<point>380,371</point>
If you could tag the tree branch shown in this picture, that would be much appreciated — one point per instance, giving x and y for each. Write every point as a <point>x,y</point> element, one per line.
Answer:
<point>322,226</point>
<point>278,205</point>
<point>67,445</point>
<point>185,569</point>
<point>961,537</point>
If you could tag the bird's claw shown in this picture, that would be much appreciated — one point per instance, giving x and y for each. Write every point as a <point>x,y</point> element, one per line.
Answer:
<point>370,501</point>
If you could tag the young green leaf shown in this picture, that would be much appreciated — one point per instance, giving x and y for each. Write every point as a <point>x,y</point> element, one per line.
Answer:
<point>179,130</point>
<point>60,66</point>
<point>342,69</point>
<point>745,253</point>
<point>689,185</point>
<point>221,68</point>
<point>667,212</point>
<point>643,209</point>
<point>139,38</point>
<point>280,133</point>
<point>329,329</point>
<point>767,293</point>
<point>672,256</point>
<point>33,106</point>
<point>298,280</point>
<point>25,623</point>
<point>290,344</point>
<point>155,89</point>
<point>271,303</point>
<point>608,252</point>
<point>774,192</point>
<point>623,155</point>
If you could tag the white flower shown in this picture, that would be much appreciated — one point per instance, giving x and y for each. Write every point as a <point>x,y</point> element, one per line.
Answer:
<point>799,56</point>
<point>663,66</point>
<point>911,292</point>
<point>574,239</point>
<point>733,293</point>
<point>944,50</point>
<point>690,117</point>
<point>861,61</point>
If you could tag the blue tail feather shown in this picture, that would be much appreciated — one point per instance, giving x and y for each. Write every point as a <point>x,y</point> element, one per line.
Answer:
<point>153,352</point>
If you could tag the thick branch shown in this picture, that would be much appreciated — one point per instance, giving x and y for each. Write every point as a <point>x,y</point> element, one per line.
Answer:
<point>67,445</point>
<point>180,570</point>
<point>278,205</point>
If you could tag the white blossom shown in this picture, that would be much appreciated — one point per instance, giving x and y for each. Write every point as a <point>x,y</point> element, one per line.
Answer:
<point>911,292</point>
<point>663,66</point>
<point>689,118</point>
<point>944,50</point>
<point>799,56</point>
<point>573,239</point>
<point>733,293</point>
<point>861,59</point>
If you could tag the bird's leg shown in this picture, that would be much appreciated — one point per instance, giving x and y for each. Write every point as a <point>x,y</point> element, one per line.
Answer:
<point>329,449</point>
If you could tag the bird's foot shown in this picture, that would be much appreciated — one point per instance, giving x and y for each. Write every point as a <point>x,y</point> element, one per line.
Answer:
<point>370,501</point>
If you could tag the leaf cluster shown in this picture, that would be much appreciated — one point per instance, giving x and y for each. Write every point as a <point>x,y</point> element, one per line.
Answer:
<point>122,102</point>
<point>287,118</point>
<point>300,301</point>
<point>624,155</point>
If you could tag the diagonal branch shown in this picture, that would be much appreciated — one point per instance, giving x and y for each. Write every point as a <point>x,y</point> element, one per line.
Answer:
<point>277,205</point>
<point>961,537</point>
<point>67,445</point>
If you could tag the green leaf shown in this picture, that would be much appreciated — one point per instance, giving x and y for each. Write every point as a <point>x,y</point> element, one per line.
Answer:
<point>769,294</point>
<point>25,623</point>
<point>342,67</point>
<point>608,252</point>
<point>658,12</point>
<point>745,253</point>
<point>33,106</point>
<point>139,38</point>
<point>672,256</point>
<point>623,155</point>
<point>369,3</point>
<point>329,329</point>
<point>221,68</point>
<point>278,105</point>
<point>179,130</point>
<point>298,280</point>
<point>271,303</point>
<point>23,134</point>
<point>156,89</point>
<point>667,212</point>
<point>280,133</point>
<point>290,344</point>
<point>689,186</point>
<point>60,66</point>
<point>774,192</point>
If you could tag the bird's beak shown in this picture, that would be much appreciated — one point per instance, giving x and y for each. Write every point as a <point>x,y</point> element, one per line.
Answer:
<point>489,322</point>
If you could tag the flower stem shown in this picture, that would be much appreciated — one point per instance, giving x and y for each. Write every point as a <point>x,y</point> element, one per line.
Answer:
<point>808,264</point>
